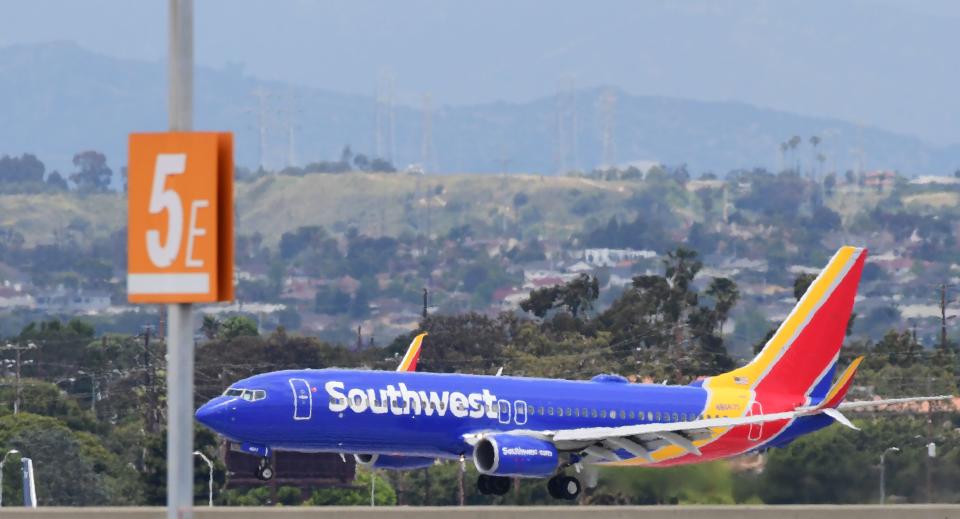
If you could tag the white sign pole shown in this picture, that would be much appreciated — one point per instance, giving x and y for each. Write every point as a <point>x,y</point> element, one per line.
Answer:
<point>180,316</point>
<point>29,489</point>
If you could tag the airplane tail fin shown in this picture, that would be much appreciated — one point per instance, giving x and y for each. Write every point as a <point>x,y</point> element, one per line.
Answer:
<point>801,356</point>
<point>409,362</point>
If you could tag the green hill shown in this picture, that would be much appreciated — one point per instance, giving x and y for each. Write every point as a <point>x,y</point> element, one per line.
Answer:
<point>392,204</point>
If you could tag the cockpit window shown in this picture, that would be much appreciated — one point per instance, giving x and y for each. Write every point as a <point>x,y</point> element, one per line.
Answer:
<point>250,395</point>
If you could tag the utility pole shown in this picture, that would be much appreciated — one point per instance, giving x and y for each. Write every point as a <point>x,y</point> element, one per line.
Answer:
<point>424,303</point>
<point>180,354</point>
<point>943,317</point>
<point>461,473</point>
<point>19,387</point>
<point>149,377</point>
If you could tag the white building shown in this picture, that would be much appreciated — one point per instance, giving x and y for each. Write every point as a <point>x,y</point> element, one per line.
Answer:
<point>612,257</point>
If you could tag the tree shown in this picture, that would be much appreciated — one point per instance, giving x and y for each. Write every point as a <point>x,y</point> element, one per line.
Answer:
<point>20,171</point>
<point>56,181</point>
<point>580,293</point>
<point>72,469</point>
<point>801,284</point>
<point>210,327</point>
<point>361,161</point>
<point>358,494</point>
<point>814,142</point>
<point>346,156</point>
<point>92,175</point>
<point>725,295</point>
<point>540,301</point>
<point>520,199</point>
<point>238,326</point>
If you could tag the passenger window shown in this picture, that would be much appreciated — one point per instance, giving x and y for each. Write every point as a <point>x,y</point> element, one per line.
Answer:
<point>658,416</point>
<point>649,416</point>
<point>675,417</point>
<point>585,412</point>
<point>576,412</point>
<point>623,414</point>
<point>631,414</point>
<point>540,410</point>
<point>550,411</point>
<point>603,413</point>
<point>569,412</point>
<point>593,413</point>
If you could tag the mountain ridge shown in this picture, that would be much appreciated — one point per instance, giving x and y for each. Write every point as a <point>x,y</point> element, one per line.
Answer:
<point>68,99</point>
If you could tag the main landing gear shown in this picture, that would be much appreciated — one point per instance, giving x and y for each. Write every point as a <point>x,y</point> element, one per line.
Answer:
<point>493,485</point>
<point>265,470</point>
<point>564,487</point>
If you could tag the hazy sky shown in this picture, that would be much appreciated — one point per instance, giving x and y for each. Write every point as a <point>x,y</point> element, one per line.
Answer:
<point>882,63</point>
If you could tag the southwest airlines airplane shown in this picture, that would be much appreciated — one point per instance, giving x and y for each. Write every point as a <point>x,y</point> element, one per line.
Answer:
<point>540,428</point>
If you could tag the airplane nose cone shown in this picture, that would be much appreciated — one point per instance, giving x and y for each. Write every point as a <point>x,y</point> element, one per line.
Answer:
<point>212,414</point>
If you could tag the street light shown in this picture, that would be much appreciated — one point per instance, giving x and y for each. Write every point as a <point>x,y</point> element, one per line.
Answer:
<point>210,479</point>
<point>2,461</point>
<point>883,490</point>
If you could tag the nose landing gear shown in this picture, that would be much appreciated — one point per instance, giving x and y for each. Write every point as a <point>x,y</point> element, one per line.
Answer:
<point>265,470</point>
<point>564,487</point>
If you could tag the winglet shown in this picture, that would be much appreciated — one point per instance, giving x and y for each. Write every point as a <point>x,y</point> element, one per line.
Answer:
<point>409,362</point>
<point>842,385</point>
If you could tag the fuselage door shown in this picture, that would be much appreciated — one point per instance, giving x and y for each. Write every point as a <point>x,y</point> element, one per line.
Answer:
<point>520,412</point>
<point>503,408</point>
<point>302,399</point>
<point>756,429</point>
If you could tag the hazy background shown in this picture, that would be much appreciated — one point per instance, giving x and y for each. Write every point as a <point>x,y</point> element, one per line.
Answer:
<point>876,65</point>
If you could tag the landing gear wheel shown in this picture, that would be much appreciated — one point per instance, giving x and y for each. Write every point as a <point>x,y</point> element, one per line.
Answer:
<point>493,485</point>
<point>265,472</point>
<point>499,485</point>
<point>483,484</point>
<point>564,487</point>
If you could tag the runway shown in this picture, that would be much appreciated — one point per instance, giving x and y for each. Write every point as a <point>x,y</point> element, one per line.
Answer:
<point>512,512</point>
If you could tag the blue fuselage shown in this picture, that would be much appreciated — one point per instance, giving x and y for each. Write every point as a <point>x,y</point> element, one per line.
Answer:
<point>428,414</point>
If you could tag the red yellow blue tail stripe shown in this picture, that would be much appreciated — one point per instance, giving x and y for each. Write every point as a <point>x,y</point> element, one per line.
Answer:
<point>409,362</point>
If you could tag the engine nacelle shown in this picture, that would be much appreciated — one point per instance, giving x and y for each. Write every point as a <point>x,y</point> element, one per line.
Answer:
<point>381,461</point>
<point>515,455</point>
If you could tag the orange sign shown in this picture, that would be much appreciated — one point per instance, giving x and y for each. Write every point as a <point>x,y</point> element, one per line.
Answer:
<point>180,217</point>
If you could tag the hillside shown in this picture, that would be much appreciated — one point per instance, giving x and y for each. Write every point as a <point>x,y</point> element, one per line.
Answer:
<point>375,204</point>
<point>70,99</point>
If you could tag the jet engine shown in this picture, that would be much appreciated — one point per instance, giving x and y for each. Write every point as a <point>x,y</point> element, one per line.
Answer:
<point>515,455</point>
<point>381,461</point>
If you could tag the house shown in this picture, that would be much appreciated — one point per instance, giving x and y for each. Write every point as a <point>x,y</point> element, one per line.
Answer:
<point>70,301</point>
<point>612,257</point>
<point>13,296</point>
<point>881,179</point>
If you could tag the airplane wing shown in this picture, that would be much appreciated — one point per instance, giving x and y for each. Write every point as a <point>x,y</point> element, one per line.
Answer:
<point>908,400</point>
<point>409,362</point>
<point>602,443</point>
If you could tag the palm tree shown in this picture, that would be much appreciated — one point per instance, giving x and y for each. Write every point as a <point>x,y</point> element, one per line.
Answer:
<point>783,155</point>
<point>793,143</point>
<point>814,141</point>
<point>725,295</point>
<point>210,327</point>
